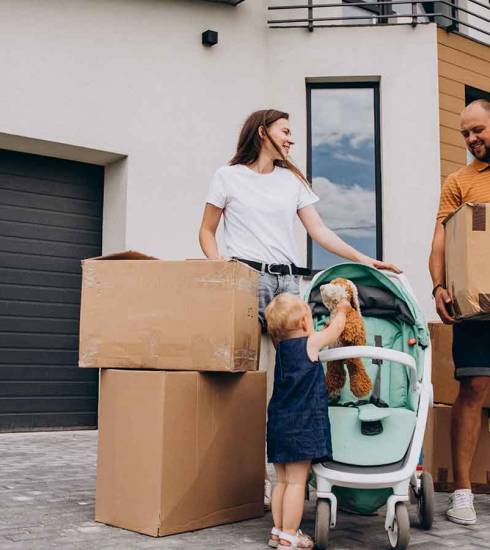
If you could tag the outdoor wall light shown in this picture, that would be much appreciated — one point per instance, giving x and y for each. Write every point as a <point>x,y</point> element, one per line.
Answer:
<point>209,38</point>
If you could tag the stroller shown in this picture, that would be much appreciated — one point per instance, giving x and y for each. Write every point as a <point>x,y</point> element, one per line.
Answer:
<point>377,441</point>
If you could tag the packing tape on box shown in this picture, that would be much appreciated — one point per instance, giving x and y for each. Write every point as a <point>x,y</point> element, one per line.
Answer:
<point>215,281</point>
<point>239,359</point>
<point>90,278</point>
<point>88,353</point>
<point>484,302</point>
<point>479,215</point>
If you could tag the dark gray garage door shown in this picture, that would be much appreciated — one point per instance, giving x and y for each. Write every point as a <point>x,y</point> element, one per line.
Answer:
<point>50,218</point>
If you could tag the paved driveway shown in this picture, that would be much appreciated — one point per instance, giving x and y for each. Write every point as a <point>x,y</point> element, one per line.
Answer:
<point>47,498</point>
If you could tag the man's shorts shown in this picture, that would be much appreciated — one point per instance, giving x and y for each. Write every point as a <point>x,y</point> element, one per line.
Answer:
<point>272,285</point>
<point>471,348</point>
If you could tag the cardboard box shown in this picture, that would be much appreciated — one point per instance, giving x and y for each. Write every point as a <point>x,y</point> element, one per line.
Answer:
<point>437,451</point>
<point>467,260</point>
<point>180,451</point>
<point>139,312</point>
<point>445,386</point>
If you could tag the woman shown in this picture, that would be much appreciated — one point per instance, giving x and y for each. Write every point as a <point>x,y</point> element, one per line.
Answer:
<point>259,195</point>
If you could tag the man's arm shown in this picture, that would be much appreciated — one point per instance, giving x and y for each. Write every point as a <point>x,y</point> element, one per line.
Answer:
<point>438,273</point>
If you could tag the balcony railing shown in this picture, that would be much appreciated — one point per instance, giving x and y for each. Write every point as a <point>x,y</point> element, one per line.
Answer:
<point>469,17</point>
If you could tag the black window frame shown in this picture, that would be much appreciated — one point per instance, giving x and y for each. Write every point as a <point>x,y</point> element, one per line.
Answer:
<point>472,94</point>
<point>346,85</point>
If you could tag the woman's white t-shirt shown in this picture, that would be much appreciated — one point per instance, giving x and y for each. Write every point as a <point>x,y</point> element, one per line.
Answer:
<point>259,211</point>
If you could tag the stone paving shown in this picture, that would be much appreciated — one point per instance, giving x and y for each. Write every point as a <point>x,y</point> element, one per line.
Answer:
<point>47,499</point>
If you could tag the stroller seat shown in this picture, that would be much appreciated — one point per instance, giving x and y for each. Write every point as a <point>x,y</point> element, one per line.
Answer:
<point>358,449</point>
<point>390,384</point>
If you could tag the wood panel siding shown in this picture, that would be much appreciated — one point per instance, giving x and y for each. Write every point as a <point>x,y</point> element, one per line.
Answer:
<point>451,87</point>
<point>462,62</point>
<point>451,103</point>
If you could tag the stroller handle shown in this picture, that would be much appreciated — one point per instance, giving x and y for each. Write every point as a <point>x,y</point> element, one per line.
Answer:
<point>370,352</point>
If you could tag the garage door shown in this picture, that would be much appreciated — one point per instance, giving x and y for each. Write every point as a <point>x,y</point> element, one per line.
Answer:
<point>50,218</point>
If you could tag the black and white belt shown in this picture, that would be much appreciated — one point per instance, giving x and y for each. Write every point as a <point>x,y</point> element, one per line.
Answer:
<point>277,269</point>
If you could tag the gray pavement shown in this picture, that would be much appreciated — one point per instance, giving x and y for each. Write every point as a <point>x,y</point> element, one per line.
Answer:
<point>47,499</point>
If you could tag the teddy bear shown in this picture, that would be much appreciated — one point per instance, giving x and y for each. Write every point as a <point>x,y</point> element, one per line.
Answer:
<point>353,334</point>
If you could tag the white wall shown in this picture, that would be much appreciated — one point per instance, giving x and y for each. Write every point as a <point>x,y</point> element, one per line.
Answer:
<point>405,61</point>
<point>475,21</point>
<point>129,79</point>
<point>132,77</point>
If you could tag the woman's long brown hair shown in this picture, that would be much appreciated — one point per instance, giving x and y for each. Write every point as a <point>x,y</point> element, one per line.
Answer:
<point>250,142</point>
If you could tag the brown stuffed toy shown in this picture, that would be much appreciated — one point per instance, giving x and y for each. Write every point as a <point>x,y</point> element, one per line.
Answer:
<point>353,335</point>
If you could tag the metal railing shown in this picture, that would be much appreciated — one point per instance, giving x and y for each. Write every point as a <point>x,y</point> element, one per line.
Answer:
<point>469,17</point>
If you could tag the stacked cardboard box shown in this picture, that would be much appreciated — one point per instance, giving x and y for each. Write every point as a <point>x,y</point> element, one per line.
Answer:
<point>178,343</point>
<point>437,451</point>
<point>446,387</point>
<point>437,443</point>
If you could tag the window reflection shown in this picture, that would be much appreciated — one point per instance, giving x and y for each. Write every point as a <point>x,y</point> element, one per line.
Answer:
<point>343,167</point>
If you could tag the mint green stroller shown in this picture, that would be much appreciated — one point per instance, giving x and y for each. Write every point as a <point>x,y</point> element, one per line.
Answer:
<point>377,441</point>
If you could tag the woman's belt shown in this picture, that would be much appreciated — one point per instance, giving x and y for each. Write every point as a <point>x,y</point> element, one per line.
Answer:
<point>277,269</point>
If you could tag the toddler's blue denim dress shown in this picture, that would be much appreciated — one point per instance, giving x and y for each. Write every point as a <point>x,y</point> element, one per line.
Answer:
<point>298,427</point>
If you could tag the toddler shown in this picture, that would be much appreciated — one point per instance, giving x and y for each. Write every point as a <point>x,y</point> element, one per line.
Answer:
<point>298,428</point>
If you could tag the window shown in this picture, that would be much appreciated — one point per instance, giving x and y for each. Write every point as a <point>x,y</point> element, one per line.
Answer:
<point>472,94</point>
<point>344,165</point>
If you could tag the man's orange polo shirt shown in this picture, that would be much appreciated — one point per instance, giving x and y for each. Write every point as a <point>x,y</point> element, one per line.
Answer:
<point>468,184</point>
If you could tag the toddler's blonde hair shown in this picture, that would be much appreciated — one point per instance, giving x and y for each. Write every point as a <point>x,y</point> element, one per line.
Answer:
<point>284,314</point>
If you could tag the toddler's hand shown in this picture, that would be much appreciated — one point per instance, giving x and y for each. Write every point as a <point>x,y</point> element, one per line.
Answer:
<point>344,306</point>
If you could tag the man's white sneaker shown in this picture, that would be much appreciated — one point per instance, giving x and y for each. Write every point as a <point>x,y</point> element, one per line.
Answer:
<point>461,509</point>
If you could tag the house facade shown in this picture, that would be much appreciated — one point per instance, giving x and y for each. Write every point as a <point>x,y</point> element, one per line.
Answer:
<point>115,115</point>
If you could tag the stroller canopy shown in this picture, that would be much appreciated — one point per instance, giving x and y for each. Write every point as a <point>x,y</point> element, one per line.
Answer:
<point>381,295</point>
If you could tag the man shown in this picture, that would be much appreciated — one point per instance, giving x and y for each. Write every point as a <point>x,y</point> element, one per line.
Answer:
<point>471,339</point>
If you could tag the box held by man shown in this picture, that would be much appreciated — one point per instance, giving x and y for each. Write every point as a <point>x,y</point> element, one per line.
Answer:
<point>467,242</point>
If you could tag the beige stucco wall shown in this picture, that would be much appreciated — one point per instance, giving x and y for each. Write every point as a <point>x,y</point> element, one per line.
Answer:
<point>132,77</point>
<point>127,83</point>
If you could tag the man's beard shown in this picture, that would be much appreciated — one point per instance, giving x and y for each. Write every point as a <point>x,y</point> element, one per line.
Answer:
<point>485,156</point>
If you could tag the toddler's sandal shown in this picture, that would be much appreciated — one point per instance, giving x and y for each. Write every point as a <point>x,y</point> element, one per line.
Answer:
<point>300,540</point>
<point>274,537</point>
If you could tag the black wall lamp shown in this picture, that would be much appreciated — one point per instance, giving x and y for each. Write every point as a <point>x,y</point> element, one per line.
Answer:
<point>209,38</point>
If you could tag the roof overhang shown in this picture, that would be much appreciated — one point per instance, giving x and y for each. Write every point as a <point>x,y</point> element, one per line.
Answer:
<point>231,2</point>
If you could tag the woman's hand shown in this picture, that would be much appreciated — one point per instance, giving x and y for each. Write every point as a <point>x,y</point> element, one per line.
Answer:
<point>366,260</point>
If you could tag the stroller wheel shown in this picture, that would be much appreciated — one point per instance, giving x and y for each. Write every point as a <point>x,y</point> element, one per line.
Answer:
<point>322,523</point>
<point>425,501</point>
<point>399,532</point>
